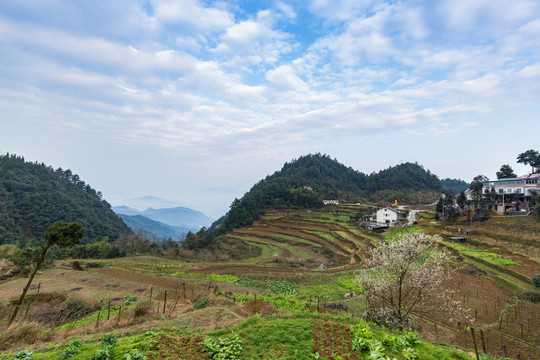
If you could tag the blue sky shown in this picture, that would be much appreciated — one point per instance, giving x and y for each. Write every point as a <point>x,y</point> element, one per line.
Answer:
<point>194,101</point>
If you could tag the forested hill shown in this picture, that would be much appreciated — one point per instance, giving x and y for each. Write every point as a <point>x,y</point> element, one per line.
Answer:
<point>33,196</point>
<point>305,182</point>
<point>408,183</point>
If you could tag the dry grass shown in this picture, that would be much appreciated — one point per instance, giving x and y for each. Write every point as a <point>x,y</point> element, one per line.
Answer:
<point>20,334</point>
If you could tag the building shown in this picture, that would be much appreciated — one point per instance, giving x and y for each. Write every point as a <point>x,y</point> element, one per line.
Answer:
<point>511,195</point>
<point>331,202</point>
<point>387,215</point>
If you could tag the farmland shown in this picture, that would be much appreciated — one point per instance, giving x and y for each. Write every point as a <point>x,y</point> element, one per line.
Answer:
<point>301,282</point>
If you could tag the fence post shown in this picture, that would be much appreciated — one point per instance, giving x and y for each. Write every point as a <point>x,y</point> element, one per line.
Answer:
<point>164,302</point>
<point>109,310</point>
<point>119,314</point>
<point>474,343</point>
<point>98,316</point>
<point>484,347</point>
<point>151,292</point>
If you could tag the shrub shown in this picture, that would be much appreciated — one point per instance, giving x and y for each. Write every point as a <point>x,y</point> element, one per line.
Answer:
<point>201,304</point>
<point>102,354</point>
<point>73,348</point>
<point>109,340</point>
<point>134,355</point>
<point>535,280</point>
<point>142,308</point>
<point>224,348</point>
<point>24,355</point>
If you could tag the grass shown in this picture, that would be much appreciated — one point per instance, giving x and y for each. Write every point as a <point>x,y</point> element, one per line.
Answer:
<point>294,239</point>
<point>485,255</point>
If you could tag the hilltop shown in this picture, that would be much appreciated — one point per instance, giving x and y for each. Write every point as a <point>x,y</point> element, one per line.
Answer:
<point>33,196</point>
<point>308,180</point>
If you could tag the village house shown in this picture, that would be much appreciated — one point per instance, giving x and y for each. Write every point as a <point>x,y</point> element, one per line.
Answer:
<point>511,195</point>
<point>387,215</point>
<point>331,202</point>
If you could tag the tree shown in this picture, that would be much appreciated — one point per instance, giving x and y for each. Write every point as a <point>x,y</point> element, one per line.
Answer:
<point>461,200</point>
<point>506,172</point>
<point>476,188</point>
<point>63,234</point>
<point>405,273</point>
<point>530,157</point>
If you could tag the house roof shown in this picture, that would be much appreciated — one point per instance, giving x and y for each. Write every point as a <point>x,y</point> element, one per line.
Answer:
<point>389,208</point>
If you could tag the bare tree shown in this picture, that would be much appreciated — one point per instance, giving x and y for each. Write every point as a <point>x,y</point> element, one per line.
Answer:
<point>405,273</point>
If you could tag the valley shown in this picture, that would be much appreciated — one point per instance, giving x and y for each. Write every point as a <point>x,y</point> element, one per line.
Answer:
<point>303,274</point>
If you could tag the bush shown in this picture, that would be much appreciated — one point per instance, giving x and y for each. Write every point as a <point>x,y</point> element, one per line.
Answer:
<point>73,348</point>
<point>102,354</point>
<point>141,309</point>
<point>201,304</point>
<point>224,348</point>
<point>24,355</point>
<point>535,280</point>
<point>134,355</point>
<point>109,340</point>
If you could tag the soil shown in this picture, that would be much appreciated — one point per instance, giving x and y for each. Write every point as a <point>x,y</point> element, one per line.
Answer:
<point>182,348</point>
<point>331,339</point>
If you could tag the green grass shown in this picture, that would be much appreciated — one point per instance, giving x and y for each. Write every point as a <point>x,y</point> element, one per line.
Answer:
<point>277,339</point>
<point>485,255</point>
<point>324,235</point>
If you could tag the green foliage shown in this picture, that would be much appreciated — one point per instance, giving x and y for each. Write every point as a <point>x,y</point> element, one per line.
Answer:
<point>506,172</point>
<point>535,280</point>
<point>34,196</point>
<point>130,299</point>
<point>64,234</point>
<point>72,349</point>
<point>201,304</point>
<point>109,339</point>
<point>24,355</point>
<point>280,287</point>
<point>134,355</point>
<point>454,186</point>
<point>379,347</point>
<point>102,354</point>
<point>292,340</point>
<point>224,347</point>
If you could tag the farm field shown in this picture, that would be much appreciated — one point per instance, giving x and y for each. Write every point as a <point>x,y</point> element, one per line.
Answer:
<point>302,280</point>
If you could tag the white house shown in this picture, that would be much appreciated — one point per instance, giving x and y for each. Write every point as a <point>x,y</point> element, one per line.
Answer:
<point>331,202</point>
<point>387,216</point>
<point>512,194</point>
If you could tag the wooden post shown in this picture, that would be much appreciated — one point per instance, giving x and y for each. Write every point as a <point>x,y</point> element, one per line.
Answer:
<point>109,310</point>
<point>98,316</point>
<point>119,314</point>
<point>484,347</point>
<point>164,302</point>
<point>318,299</point>
<point>474,343</point>
<point>436,334</point>
<point>184,286</point>
<point>151,292</point>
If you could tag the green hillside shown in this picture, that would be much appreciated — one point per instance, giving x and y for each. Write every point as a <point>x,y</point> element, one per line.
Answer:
<point>305,182</point>
<point>33,196</point>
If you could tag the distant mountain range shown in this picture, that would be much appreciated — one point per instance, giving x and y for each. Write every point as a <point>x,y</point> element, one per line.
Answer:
<point>173,222</point>
<point>156,229</point>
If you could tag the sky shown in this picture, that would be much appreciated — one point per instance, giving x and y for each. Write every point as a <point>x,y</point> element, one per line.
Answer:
<point>194,101</point>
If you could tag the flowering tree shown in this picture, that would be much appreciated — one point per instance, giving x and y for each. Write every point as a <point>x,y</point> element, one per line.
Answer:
<point>405,273</point>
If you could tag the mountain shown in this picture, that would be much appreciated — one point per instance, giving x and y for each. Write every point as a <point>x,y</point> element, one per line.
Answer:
<point>306,181</point>
<point>155,229</point>
<point>455,185</point>
<point>176,216</point>
<point>34,196</point>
